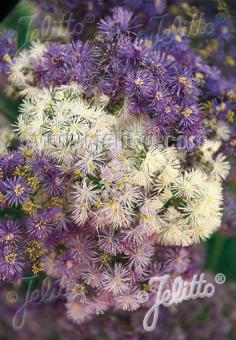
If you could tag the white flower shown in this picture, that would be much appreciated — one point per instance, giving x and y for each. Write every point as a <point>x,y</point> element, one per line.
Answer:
<point>154,160</point>
<point>116,214</point>
<point>140,178</point>
<point>220,167</point>
<point>209,148</point>
<point>84,194</point>
<point>115,279</point>
<point>37,49</point>
<point>150,205</point>
<point>89,160</point>
<point>6,137</point>
<point>129,300</point>
<point>174,233</point>
<point>68,123</point>
<point>186,185</point>
<point>168,175</point>
<point>128,196</point>
<point>223,132</point>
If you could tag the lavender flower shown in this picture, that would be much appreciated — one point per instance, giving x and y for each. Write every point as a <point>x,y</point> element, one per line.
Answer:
<point>10,231</point>
<point>139,84</point>
<point>11,263</point>
<point>41,224</point>
<point>9,161</point>
<point>7,50</point>
<point>52,69</point>
<point>118,23</point>
<point>16,191</point>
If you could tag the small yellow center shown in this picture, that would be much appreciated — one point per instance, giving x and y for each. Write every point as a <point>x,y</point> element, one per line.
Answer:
<point>6,58</point>
<point>117,280</point>
<point>191,138</point>
<point>69,264</point>
<point>19,190</point>
<point>41,225</point>
<point>230,116</point>
<point>139,82</point>
<point>105,258</point>
<point>186,113</point>
<point>9,237</point>
<point>11,258</point>
<point>233,142</point>
<point>159,95</point>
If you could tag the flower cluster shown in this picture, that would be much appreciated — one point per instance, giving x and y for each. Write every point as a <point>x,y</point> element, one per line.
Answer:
<point>151,77</point>
<point>122,155</point>
<point>30,207</point>
<point>119,179</point>
<point>126,196</point>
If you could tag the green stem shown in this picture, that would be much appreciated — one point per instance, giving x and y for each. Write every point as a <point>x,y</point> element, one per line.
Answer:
<point>8,115</point>
<point>215,253</point>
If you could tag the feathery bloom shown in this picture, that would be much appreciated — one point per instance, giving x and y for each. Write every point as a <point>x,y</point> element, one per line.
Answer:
<point>128,300</point>
<point>10,160</point>
<point>139,84</point>
<point>118,23</point>
<point>140,256</point>
<point>82,248</point>
<point>16,191</point>
<point>10,231</point>
<point>125,196</point>
<point>115,279</point>
<point>40,225</point>
<point>11,263</point>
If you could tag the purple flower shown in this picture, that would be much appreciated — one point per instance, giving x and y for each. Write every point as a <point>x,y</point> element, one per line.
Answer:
<point>52,69</point>
<point>115,279</point>
<point>9,161</point>
<point>82,248</point>
<point>10,231</point>
<point>162,67</point>
<point>152,7</point>
<point>67,265</point>
<point>176,260</point>
<point>11,263</point>
<point>40,226</point>
<point>111,85</point>
<point>109,243</point>
<point>140,256</point>
<point>138,107</point>
<point>191,139</point>
<point>132,51</point>
<point>116,24</point>
<point>184,84</point>
<point>16,191</point>
<point>53,184</point>
<point>7,50</point>
<point>189,116</point>
<point>42,164</point>
<point>156,129</point>
<point>139,84</point>
<point>79,61</point>
<point>161,97</point>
